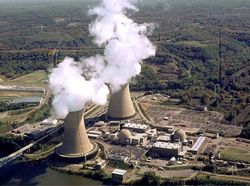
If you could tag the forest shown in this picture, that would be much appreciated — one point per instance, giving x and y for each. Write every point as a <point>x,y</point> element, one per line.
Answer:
<point>203,47</point>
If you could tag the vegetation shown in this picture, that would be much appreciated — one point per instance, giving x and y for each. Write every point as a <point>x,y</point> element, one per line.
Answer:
<point>5,106</point>
<point>97,175</point>
<point>186,64</point>
<point>10,143</point>
<point>235,154</point>
<point>150,178</point>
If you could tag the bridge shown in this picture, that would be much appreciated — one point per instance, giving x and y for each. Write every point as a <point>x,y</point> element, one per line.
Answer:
<point>6,160</point>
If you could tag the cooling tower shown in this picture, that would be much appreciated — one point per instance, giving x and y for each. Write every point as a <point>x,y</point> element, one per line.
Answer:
<point>76,144</point>
<point>120,104</point>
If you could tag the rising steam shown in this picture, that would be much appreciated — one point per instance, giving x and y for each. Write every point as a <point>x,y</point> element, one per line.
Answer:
<point>125,46</point>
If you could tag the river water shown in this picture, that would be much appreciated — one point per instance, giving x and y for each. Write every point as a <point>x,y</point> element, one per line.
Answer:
<point>21,172</point>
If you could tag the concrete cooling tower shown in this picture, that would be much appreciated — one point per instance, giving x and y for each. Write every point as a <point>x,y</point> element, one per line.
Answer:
<point>120,105</point>
<point>76,144</point>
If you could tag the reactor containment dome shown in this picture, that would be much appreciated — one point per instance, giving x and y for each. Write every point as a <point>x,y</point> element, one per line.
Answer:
<point>180,134</point>
<point>123,136</point>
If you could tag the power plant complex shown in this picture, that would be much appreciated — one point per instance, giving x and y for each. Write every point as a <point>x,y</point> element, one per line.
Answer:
<point>76,144</point>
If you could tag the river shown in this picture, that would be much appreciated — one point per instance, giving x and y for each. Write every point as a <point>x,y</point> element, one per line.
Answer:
<point>21,172</point>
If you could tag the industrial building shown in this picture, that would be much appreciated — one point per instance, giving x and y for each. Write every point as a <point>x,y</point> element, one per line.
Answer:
<point>120,104</point>
<point>94,134</point>
<point>28,100</point>
<point>118,175</point>
<point>198,144</point>
<point>134,127</point>
<point>118,158</point>
<point>166,149</point>
<point>170,145</point>
<point>35,134</point>
<point>126,137</point>
<point>49,122</point>
<point>164,138</point>
<point>76,145</point>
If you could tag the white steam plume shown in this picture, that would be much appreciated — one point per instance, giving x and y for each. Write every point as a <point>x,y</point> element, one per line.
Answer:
<point>125,41</point>
<point>125,46</point>
<point>72,90</point>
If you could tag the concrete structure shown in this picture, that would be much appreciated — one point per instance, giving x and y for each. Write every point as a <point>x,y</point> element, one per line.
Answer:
<point>151,133</point>
<point>165,149</point>
<point>101,165</point>
<point>49,121</point>
<point>35,134</point>
<point>138,139</point>
<point>123,136</point>
<point>28,100</point>
<point>23,90</point>
<point>94,134</point>
<point>134,127</point>
<point>180,135</point>
<point>195,149</point>
<point>173,161</point>
<point>76,144</point>
<point>165,138</point>
<point>118,158</point>
<point>118,175</point>
<point>120,104</point>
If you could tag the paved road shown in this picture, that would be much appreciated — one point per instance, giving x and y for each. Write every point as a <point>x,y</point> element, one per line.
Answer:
<point>170,173</point>
<point>229,177</point>
<point>140,112</point>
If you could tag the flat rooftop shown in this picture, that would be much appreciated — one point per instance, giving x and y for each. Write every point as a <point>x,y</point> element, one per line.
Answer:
<point>135,126</point>
<point>166,145</point>
<point>119,172</point>
<point>164,138</point>
<point>28,100</point>
<point>198,143</point>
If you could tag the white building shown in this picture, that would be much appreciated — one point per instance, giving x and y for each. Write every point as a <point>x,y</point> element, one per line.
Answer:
<point>134,127</point>
<point>196,147</point>
<point>49,121</point>
<point>166,149</point>
<point>118,175</point>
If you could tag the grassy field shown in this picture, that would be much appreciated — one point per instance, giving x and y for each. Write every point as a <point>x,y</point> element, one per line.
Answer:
<point>191,43</point>
<point>235,154</point>
<point>38,77</point>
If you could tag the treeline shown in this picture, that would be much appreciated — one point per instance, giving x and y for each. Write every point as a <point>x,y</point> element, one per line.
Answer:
<point>150,178</point>
<point>147,80</point>
<point>4,106</point>
<point>10,143</point>
<point>16,64</point>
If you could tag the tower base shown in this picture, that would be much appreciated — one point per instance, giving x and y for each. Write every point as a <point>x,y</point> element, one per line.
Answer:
<point>121,118</point>
<point>78,157</point>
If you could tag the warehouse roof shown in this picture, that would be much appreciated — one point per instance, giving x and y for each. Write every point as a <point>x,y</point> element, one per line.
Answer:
<point>198,143</point>
<point>166,145</point>
<point>135,126</point>
<point>119,171</point>
<point>28,100</point>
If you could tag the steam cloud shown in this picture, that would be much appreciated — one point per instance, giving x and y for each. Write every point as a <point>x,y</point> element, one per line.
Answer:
<point>125,46</point>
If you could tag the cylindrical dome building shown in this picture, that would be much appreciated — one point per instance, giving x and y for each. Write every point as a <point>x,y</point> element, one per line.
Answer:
<point>123,136</point>
<point>180,134</point>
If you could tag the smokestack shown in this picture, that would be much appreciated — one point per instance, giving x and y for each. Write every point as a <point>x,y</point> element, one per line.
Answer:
<point>76,144</point>
<point>120,104</point>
